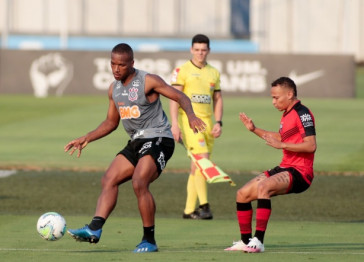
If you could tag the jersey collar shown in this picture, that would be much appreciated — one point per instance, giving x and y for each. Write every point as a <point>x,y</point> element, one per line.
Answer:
<point>295,105</point>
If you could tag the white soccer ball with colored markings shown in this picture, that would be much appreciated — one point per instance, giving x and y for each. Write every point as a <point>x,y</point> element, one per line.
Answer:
<point>51,226</point>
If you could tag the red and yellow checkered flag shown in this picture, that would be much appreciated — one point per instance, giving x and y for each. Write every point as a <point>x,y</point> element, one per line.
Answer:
<point>211,172</point>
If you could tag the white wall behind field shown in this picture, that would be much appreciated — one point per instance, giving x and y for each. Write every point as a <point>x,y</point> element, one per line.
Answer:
<point>110,17</point>
<point>309,26</point>
<point>276,26</point>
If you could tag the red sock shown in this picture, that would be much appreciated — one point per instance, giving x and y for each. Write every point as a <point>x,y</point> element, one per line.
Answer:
<point>262,217</point>
<point>244,212</point>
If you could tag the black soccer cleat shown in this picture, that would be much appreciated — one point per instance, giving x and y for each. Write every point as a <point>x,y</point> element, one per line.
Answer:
<point>204,212</point>
<point>193,215</point>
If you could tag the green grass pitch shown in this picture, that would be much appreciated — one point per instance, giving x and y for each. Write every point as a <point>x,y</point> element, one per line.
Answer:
<point>180,240</point>
<point>323,224</point>
<point>34,131</point>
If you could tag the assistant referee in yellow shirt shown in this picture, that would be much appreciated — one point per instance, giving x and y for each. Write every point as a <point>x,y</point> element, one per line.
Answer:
<point>201,83</point>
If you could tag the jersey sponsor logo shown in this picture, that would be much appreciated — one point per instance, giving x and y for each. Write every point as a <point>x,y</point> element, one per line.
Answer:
<point>161,160</point>
<point>202,99</point>
<point>129,112</point>
<point>306,120</point>
<point>133,94</point>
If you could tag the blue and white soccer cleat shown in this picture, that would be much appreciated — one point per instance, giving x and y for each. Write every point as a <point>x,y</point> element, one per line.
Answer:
<point>85,234</point>
<point>145,246</point>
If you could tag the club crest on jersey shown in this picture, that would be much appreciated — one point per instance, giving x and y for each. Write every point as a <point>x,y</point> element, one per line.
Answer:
<point>133,94</point>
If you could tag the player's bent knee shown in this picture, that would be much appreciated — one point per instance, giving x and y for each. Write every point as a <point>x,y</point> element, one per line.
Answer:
<point>104,181</point>
<point>243,196</point>
<point>108,181</point>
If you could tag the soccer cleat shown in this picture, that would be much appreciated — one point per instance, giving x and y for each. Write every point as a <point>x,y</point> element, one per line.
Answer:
<point>85,234</point>
<point>254,246</point>
<point>193,215</point>
<point>145,246</point>
<point>204,212</point>
<point>237,246</point>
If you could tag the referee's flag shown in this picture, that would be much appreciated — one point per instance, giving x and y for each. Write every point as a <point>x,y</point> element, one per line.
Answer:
<point>211,172</point>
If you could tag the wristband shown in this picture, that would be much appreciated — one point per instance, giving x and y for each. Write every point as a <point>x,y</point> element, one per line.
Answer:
<point>219,122</point>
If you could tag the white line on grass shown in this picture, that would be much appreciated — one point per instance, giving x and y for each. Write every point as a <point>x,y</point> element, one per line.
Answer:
<point>6,173</point>
<point>182,251</point>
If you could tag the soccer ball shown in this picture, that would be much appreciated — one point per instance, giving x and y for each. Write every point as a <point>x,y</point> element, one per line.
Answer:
<point>51,226</point>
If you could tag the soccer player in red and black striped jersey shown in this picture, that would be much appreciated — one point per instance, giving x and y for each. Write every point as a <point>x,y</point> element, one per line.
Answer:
<point>297,139</point>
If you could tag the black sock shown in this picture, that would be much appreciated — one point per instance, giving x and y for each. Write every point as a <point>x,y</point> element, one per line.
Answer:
<point>260,235</point>
<point>246,238</point>
<point>97,223</point>
<point>149,234</point>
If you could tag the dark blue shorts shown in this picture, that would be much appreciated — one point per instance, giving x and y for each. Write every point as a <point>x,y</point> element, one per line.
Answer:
<point>160,148</point>
<point>297,185</point>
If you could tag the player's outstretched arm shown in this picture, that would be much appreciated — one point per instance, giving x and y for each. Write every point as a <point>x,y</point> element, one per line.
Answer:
<point>158,85</point>
<point>307,146</point>
<point>173,111</point>
<point>76,144</point>
<point>249,124</point>
<point>106,127</point>
<point>196,124</point>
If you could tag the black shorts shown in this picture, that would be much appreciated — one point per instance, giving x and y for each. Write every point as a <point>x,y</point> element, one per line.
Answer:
<point>160,148</point>
<point>298,184</point>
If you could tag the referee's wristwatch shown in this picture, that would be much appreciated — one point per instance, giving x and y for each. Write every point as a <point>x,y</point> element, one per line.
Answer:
<point>219,122</point>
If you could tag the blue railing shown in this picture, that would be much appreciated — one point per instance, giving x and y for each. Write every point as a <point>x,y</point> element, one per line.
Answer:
<point>138,44</point>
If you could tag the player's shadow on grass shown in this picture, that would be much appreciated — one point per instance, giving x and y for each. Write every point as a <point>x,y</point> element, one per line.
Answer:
<point>4,197</point>
<point>100,251</point>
